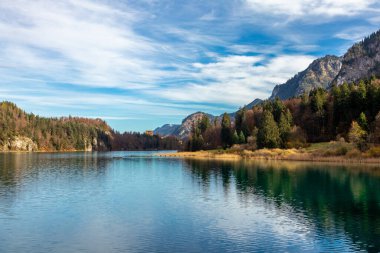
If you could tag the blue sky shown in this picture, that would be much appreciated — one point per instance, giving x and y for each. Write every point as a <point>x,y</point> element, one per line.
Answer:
<point>140,64</point>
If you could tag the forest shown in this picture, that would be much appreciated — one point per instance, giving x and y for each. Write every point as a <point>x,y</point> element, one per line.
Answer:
<point>348,112</point>
<point>71,133</point>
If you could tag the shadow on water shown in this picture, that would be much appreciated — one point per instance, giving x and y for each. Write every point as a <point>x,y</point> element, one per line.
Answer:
<point>331,197</point>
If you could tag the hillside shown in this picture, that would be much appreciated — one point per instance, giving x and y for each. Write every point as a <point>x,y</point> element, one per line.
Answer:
<point>26,132</point>
<point>183,130</point>
<point>319,73</point>
<point>167,129</point>
<point>361,61</point>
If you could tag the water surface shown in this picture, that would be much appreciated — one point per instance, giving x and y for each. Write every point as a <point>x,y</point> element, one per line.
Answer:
<point>133,202</point>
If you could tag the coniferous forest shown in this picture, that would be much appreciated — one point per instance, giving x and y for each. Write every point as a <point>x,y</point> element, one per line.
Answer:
<point>348,113</point>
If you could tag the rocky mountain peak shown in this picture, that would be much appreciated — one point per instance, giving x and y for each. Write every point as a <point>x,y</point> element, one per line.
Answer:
<point>361,61</point>
<point>319,73</point>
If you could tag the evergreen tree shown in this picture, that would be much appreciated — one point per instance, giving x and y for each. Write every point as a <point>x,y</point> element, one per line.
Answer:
<point>285,126</point>
<point>277,109</point>
<point>242,138</point>
<point>204,124</point>
<point>239,119</point>
<point>362,121</point>
<point>268,135</point>
<point>226,135</point>
<point>235,138</point>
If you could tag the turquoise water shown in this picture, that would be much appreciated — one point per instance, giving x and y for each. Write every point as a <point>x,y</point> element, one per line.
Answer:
<point>134,202</point>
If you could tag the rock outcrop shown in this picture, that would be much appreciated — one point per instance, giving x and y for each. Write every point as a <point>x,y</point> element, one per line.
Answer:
<point>19,143</point>
<point>320,73</point>
<point>361,61</point>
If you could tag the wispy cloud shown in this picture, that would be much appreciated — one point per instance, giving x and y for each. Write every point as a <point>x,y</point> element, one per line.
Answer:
<point>237,80</point>
<point>310,8</point>
<point>154,59</point>
<point>79,42</point>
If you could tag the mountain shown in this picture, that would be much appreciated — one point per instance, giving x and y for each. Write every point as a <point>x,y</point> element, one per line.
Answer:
<point>183,130</point>
<point>254,103</point>
<point>248,107</point>
<point>167,129</point>
<point>361,61</point>
<point>319,73</point>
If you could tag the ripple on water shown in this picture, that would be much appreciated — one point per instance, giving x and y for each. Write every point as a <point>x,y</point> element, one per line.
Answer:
<point>133,202</point>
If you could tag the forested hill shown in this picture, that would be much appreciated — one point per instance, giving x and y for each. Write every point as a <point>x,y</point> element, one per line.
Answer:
<point>21,131</point>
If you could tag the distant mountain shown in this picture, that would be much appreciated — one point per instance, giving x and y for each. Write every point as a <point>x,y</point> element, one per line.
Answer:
<point>167,129</point>
<point>319,73</point>
<point>183,130</point>
<point>248,107</point>
<point>361,61</point>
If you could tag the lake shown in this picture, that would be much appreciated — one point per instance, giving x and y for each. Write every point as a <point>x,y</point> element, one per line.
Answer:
<point>134,202</point>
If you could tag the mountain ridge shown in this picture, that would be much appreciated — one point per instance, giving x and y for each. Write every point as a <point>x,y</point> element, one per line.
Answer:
<point>362,60</point>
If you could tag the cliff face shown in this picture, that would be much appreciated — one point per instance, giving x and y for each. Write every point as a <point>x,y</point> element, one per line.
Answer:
<point>320,73</point>
<point>361,61</point>
<point>19,143</point>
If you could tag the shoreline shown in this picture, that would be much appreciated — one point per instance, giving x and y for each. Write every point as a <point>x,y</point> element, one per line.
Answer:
<point>270,155</point>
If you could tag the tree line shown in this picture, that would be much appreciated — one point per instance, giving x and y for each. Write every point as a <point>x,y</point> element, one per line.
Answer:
<point>347,112</point>
<point>72,133</point>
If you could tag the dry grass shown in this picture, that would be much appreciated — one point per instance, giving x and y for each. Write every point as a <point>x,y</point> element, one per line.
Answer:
<point>340,152</point>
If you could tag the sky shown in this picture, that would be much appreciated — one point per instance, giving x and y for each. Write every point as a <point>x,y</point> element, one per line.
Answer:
<point>143,63</point>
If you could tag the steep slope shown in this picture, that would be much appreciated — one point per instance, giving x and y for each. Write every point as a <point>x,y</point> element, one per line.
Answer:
<point>320,73</point>
<point>253,103</point>
<point>248,107</point>
<point>361,61</point>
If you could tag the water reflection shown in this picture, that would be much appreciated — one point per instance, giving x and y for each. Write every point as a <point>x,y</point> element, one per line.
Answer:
<point>332,198</point>
<point>133,202</point>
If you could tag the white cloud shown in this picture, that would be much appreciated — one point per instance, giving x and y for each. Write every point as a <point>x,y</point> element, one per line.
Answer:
<point>354,34</point>
<point>237,80</point>
<point>305,8</point>
<point>78,42</point>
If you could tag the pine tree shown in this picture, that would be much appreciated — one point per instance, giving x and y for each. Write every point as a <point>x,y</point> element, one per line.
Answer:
<point>362,121</point>
<point>285,126</point>
<point>235,138</point>
<point>226,135</point>
<point>268,135</point>
<point>242,138</point>
<point>204,124</point>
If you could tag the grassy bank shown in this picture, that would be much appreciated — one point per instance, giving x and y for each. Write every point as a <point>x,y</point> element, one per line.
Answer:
<point>340,152</point>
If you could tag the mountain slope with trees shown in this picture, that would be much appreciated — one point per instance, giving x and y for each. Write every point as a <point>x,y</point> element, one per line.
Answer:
<point>348,113</point>
<point>21,131</point>
<point>362,61</point>
<point>28,132</point>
